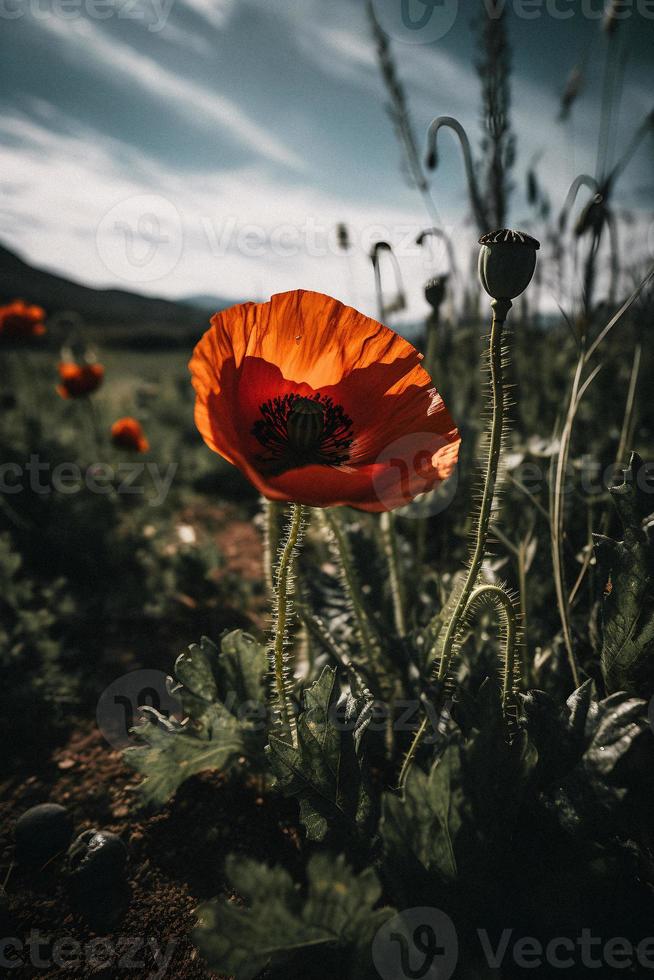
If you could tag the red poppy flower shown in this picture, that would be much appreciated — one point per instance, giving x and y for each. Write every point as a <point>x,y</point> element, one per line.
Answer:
<point>78,380</point>
<point>21,321</point>
<point>128,433</point>
<point>319,404</point>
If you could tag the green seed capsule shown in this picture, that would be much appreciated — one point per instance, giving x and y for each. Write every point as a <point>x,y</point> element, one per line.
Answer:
<point>306,424</point>
<point>507,260</point>
<point>435,291</point>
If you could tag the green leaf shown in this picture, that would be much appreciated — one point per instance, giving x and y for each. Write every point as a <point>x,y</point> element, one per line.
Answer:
<point>334,915</point>
<point>425,821</point>
<point>326,772</point>
<point>463,811</point>
<point>627,574</point>
<point>241,669</point>
<point>614,727</point>
<point>222,699</point>
<point>590,757</point>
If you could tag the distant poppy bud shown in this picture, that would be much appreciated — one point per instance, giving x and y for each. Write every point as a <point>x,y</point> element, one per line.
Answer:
<point>532,187</point>
<point>21,321</point>
<point>572,89</point>
<point>507,260</point>
<point>343,237</point>
<point>127,433</point>
<point>592,217</point>
<point>611,17</point>
<point>78,380</point>
<point>435,291</point>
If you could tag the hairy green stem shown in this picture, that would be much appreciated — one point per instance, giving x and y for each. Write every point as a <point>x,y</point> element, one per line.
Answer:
<point>503,602</point>
<point>524,612</point>
<point>557,528</point>
<point>351,581</point>
<point>271,541</point>
<point>281,615</point>
<point>389,540</point>
<point>500,311</point>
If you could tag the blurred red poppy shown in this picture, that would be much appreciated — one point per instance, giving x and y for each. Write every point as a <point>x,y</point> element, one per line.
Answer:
<point>20,320</point>
<point>311,400</point>
<point>78,380</point>
<point>127,433</point>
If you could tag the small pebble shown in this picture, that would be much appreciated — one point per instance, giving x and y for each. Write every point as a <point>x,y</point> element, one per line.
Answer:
<point>95,858</point>
<point>42,832</point>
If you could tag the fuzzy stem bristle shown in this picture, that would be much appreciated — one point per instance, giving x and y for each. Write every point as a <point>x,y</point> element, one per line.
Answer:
<point>500,311</point>
<point>282,613</point>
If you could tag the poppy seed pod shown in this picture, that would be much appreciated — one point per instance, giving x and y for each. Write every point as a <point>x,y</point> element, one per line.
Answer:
<point>507,260</point>
<point>592,217</point>
<point>435,291</point>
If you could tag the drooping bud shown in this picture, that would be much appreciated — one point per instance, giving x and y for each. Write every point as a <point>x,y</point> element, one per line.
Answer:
<point>592,217</point>
<point>305,425</point>
<point>507,260</point>
<point>435,291</point>
<point>342,236</point>
<point>572,89</point>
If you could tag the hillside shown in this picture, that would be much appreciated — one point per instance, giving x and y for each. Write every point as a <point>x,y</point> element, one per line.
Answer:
<point>123,317</point>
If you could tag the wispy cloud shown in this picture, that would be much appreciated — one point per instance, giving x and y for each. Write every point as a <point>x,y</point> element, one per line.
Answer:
<point>204,107</point>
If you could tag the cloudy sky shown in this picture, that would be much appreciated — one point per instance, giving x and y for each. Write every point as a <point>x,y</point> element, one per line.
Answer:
<point>179,147</point>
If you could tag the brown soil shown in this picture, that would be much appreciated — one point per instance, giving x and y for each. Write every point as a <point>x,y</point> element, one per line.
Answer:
<point>176,859</point>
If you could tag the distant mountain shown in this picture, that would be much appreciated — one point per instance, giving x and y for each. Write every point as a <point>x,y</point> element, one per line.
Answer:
<point>121,316</point>
<point>204,301</point>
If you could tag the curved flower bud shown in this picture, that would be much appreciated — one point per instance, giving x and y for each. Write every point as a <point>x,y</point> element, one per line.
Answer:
<point>435,291</point>
<point>507,260</point>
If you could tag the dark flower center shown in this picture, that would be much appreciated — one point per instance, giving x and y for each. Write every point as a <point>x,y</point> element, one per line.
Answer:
<point>297,431</point>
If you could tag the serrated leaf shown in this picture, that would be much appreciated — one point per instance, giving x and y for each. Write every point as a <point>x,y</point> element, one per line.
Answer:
<point>614,727</point>
<point>216,689</point>
<point>459,814</point>
<point>425,821</point>
<point>241,668</point>
<point>335,912</point>
<point>325,772</point>
<point>588,759</point>
<point>194,670</point>
<point>627,574</point>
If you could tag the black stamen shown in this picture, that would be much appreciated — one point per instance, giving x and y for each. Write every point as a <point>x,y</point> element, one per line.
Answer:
<point>298,431</point>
